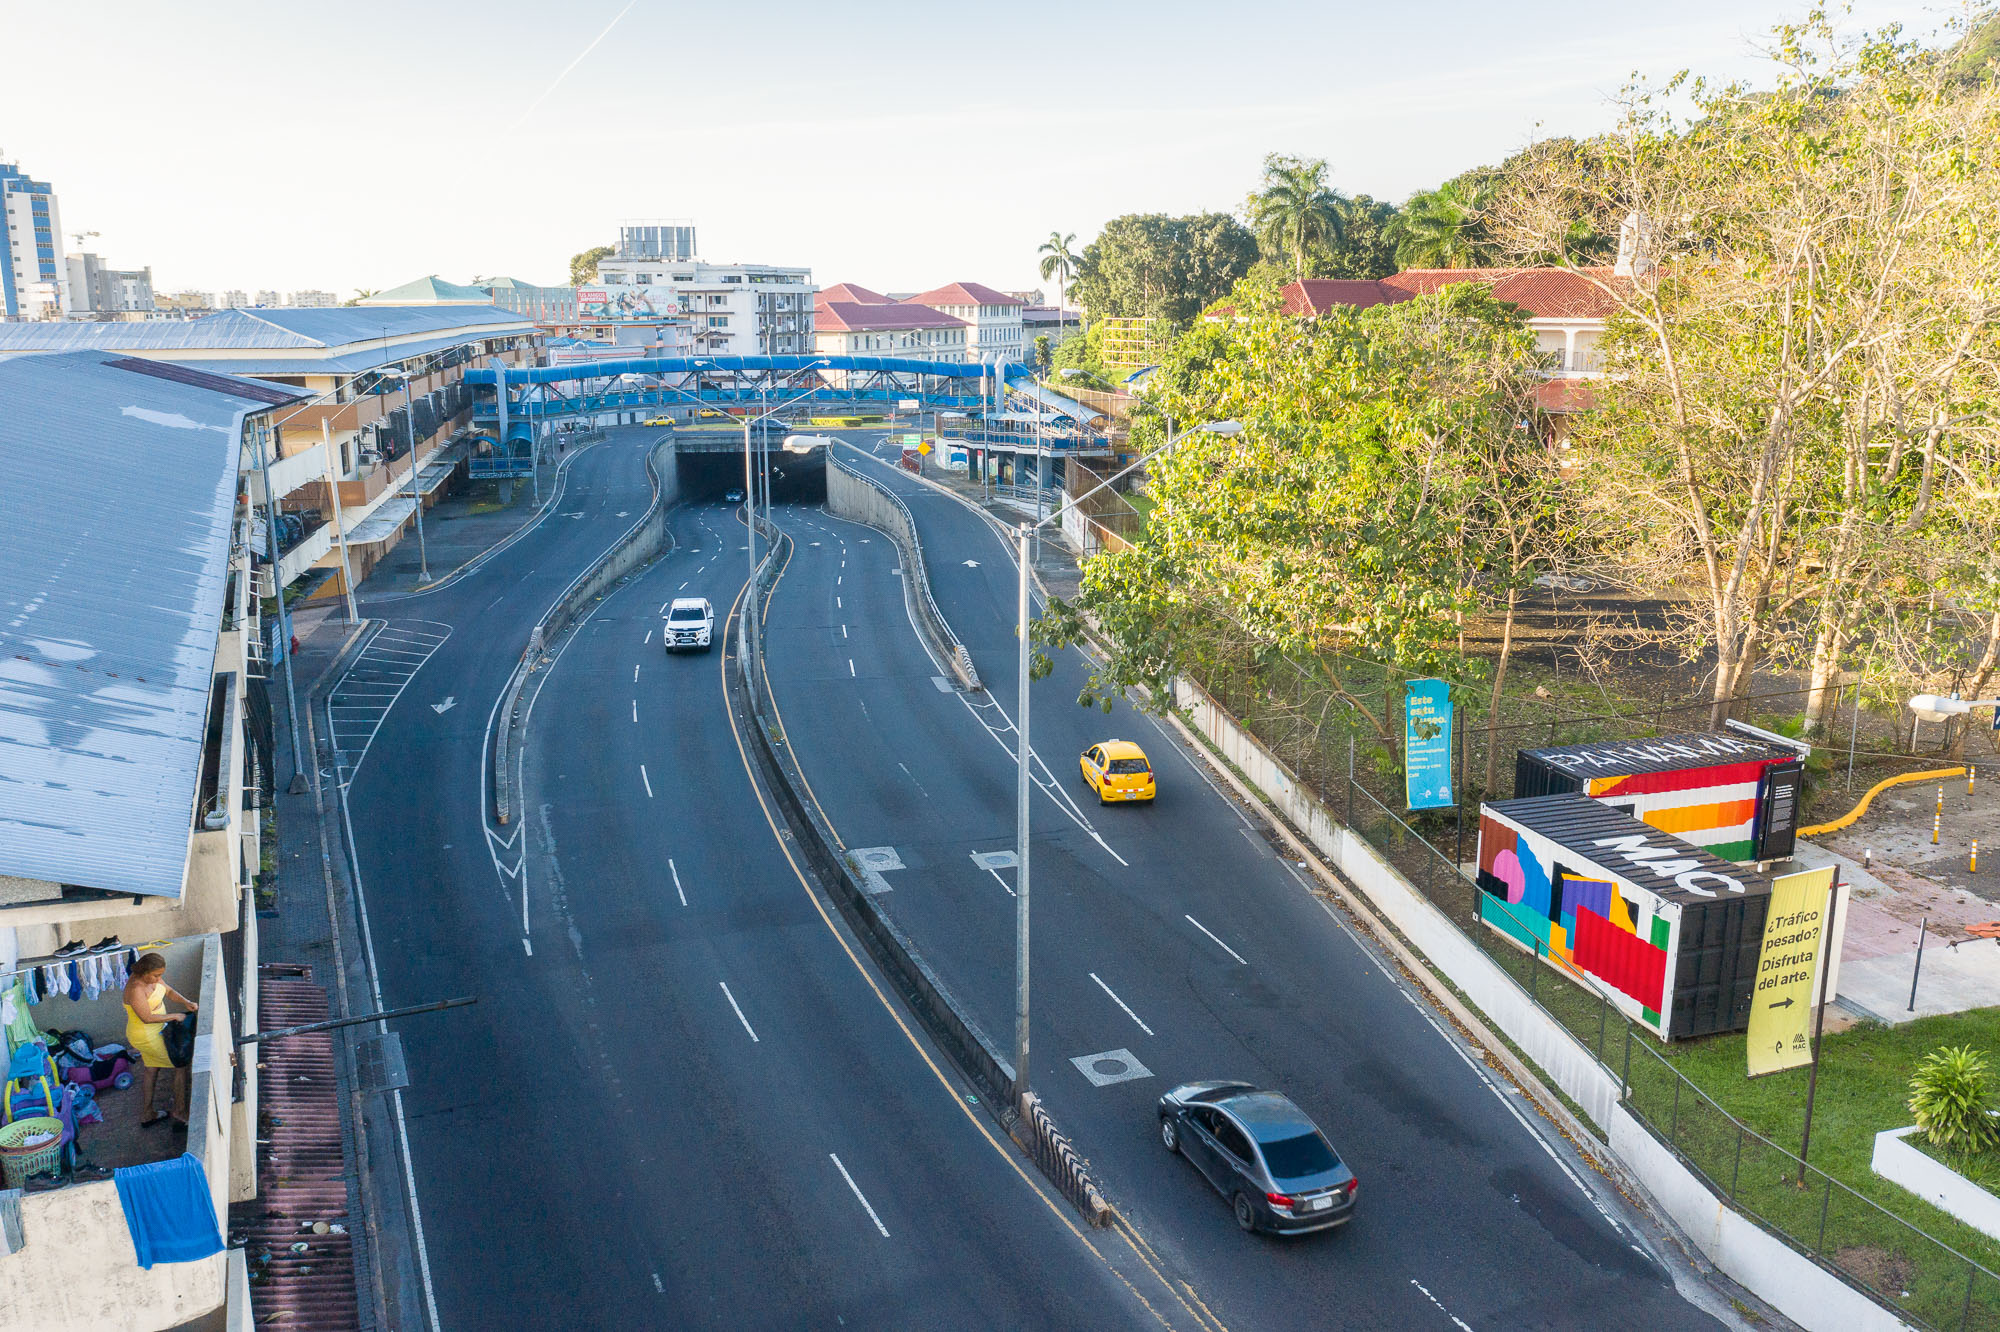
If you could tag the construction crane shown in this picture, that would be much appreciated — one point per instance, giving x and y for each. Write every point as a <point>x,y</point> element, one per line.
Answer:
<point>79,237</point>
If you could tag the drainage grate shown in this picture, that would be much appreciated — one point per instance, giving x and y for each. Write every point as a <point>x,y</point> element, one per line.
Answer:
<point>379,1065</point>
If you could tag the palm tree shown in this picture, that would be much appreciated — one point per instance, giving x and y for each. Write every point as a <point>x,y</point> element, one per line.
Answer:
<point>1439,228</point>
<point>1059,261</point>
<point>1297,209</point>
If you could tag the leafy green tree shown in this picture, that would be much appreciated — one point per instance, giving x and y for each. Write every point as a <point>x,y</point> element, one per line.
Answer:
<point>1365,248</point>
<point>1948,1095</point>
<point>583,267</point>
<point>1150,265</point>
<point>1439,228</point>
<point>1044,353</point>
<point>1058,262</point>
<point>1297,212</point>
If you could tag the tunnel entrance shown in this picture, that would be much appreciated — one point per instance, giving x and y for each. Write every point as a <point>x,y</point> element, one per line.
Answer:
<point>796,478</point>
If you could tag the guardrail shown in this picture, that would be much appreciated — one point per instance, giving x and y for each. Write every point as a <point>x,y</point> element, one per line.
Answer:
<point>916,577</point>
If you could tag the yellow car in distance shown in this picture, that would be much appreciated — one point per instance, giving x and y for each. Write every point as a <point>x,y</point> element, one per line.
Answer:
<point>660,420</point>
<point>713,413</point>
<point>1117,770</point>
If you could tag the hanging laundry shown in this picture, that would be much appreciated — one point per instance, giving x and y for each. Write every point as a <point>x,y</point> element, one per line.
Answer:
<point>87,968</point>
<point>27,979</point>
<point>75,990</point>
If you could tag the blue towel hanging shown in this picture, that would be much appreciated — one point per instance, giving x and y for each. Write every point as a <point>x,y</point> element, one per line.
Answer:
<point>169,1211</point>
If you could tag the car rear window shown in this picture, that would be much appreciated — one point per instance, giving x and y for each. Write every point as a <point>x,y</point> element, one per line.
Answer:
<point>1127,765</point>
<point>1296,1158</point>
<point>685,613</point>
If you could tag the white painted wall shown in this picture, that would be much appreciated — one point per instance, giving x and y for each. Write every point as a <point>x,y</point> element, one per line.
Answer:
<point>1935,1182</point>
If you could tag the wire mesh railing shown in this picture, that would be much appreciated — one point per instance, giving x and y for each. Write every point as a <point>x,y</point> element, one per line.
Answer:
<point>1924,1279</point>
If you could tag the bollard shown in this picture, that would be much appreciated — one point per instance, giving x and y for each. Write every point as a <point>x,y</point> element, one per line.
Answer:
<point>1971,776</point>
<point>1973,868</point>
<point>1937,822</point>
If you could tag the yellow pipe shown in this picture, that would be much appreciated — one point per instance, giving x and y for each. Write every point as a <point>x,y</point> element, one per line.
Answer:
<point>1874,791</point>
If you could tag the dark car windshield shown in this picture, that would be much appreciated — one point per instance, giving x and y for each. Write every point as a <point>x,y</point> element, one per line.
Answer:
<point>1127,765</point>
<point>1296,1158</point>
<point>686,613</point>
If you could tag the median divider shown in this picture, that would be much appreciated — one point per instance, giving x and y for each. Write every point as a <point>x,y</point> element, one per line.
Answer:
<point>949,1023</point>
<point>852,496</point>
<point>641,543</point>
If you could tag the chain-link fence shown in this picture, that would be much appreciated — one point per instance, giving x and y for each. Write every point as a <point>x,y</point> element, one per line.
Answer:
<point>1924,1279</point>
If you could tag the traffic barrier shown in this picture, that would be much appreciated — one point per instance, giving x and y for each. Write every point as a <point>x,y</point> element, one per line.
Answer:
<point>1040,1138</point>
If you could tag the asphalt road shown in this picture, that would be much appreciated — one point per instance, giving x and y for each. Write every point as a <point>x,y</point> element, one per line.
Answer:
<point>1172,943</point>
<point>681,1101</point>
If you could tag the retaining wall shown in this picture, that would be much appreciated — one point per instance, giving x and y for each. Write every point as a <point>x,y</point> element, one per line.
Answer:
<point>1793,1283</point>
<point>642,542</point>
<point>854,497</point>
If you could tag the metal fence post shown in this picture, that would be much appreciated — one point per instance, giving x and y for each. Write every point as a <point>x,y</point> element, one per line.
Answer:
<point>1737,1169</point>
<point>1603,1018</point>
<point>1625,1091</point>
<point>1826,1200</point>
<point>1350,781</point>
<point>1674,1129</point>
<point>1971,1279</point>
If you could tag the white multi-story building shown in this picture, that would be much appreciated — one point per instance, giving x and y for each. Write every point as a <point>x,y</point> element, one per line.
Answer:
<point>314,300</point>
<point>34,281</point>
<point>850,320</point>
<point>233,299</point>
<point>97,289</point>
<point>269,298</point>
<point>734,309</point>
<point>994,315</point>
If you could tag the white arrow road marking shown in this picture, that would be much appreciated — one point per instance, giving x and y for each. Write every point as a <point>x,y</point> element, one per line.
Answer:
<point>972,564</point>
<point>622,513</point>
<point>449,701</point>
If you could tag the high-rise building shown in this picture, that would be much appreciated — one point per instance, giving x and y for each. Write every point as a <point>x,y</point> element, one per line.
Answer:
<point>314,300</point>
<point>233,299</point>
<point>34,283</point>
<point>96,289</point>
<point>269,298</point>
<point>738,309</point>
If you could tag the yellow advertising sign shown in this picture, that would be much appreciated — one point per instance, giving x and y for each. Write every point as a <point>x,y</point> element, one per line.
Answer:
<point>1781,1005</point>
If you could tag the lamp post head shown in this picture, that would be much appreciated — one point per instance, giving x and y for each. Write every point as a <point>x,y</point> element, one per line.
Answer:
<point>1229,426</point>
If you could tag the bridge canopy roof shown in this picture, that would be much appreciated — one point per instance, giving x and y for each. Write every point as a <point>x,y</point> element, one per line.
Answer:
<point>732,365</point>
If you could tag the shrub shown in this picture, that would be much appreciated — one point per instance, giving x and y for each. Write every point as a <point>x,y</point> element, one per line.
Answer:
<point>1948,1097</point>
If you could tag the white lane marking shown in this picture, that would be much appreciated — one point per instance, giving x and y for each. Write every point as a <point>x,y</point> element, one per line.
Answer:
<point>841,579</point>
<point>677,881</point>
<point>635,672</point>
<point>843,631</point>
<point>1460,1322</point>
<point>635,710</point>
<point>858,1195</point>
<point>656,1284</point>
<point>739,1011</point>
<point>648,638</point>
<point>837,604</point>
<point>681,588</point>
<point>1218,943</point>
<point>850,665</point>
<point>649,793</point>
<point>1121,1003</point>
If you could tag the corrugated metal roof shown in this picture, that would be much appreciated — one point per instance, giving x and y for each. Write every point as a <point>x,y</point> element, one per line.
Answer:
<point>115,512</point>
<point>364,356</point>
<point>1666,753</point>
<point>262,329</point>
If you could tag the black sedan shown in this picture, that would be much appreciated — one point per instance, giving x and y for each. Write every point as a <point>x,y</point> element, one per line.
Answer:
<point>1262,1153</point>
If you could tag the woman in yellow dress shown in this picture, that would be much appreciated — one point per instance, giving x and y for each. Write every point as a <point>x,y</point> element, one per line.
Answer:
<point>145,1021</point>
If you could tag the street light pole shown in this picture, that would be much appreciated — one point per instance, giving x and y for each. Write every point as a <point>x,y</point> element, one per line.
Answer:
<point>1024,750</point>
<point>410,423</point>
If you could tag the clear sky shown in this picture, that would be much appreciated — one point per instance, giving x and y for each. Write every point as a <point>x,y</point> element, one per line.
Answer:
<point>244,143</point>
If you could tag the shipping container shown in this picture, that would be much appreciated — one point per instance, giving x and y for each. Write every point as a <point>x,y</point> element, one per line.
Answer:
<point>1734,795</point>
<point>1667,930</point>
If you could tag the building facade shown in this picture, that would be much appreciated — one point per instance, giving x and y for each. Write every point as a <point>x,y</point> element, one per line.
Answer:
<point>888,328</point>
<point>95,288</point>
<point>994,316</point>
<point>732,309</point>
<point>34,281</point>
<point>313,300</point>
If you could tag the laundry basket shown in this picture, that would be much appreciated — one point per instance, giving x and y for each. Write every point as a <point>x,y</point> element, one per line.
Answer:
<point>17,1162</point>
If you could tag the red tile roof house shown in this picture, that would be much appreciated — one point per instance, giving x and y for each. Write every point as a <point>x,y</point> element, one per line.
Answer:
<point>882,327</point>
<point>1566,310</point>
<point>994,315</point>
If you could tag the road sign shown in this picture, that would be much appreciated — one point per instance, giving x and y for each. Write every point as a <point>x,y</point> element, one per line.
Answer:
<point>1781,1003</point>
<point>909,405</point>
<point>925,448</point>
<point>911,441</point>
<point>1427,745</point>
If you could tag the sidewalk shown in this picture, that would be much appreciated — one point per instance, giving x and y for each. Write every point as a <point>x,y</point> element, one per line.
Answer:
<point>466,523</point>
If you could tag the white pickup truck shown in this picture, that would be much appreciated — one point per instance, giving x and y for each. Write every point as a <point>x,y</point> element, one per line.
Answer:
<point>690,624</point>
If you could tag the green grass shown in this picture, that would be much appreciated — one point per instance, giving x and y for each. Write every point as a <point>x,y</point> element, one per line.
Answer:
<point>1863,1088</point>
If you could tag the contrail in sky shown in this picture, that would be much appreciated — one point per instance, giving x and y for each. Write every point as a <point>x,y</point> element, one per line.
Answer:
<point>574,63</point>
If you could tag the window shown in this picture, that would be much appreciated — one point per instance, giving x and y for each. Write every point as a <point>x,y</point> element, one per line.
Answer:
<point>1296,1158</point>
<point>1127,765</point>
<point>1232,1139</point>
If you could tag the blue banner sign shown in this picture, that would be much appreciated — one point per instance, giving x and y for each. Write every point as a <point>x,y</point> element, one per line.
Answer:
<point>1427,745</point>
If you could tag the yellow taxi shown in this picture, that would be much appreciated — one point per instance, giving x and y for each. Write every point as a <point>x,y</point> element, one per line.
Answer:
<point>1117,770</point>
<point>660,421</point>
<point>713,413</point>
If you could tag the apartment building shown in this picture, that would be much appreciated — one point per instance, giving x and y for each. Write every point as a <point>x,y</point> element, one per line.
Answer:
<point>313,300</point>
<point>732,309</point>
<point>34,281</point>
<point>851,320</point>
<point>384,392</point>
<point>96,288</point>
<point>131,792</point>
<point>233,299</point>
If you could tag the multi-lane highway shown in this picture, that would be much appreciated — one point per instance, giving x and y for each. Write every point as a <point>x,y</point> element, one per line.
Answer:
<point>1172,943</point>
<point>682,1100</point>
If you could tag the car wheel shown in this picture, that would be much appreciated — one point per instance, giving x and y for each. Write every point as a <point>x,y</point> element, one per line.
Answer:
<point>1170,1135</point>
<point>1246,1215</point>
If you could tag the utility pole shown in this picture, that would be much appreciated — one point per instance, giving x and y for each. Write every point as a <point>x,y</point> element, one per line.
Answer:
<point>1022,784</point>
<point>263,441</point>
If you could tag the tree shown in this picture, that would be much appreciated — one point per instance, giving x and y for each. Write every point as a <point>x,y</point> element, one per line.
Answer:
<point>1044,354</point>
<point>1296,211</point>
<point>1804,345</point>
<point>360,294</point>
<point>1058,262</point>
<point>583,267</point>
<point>1437,228</point>
<point>1365,248</point>
<point>1150,265</point>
